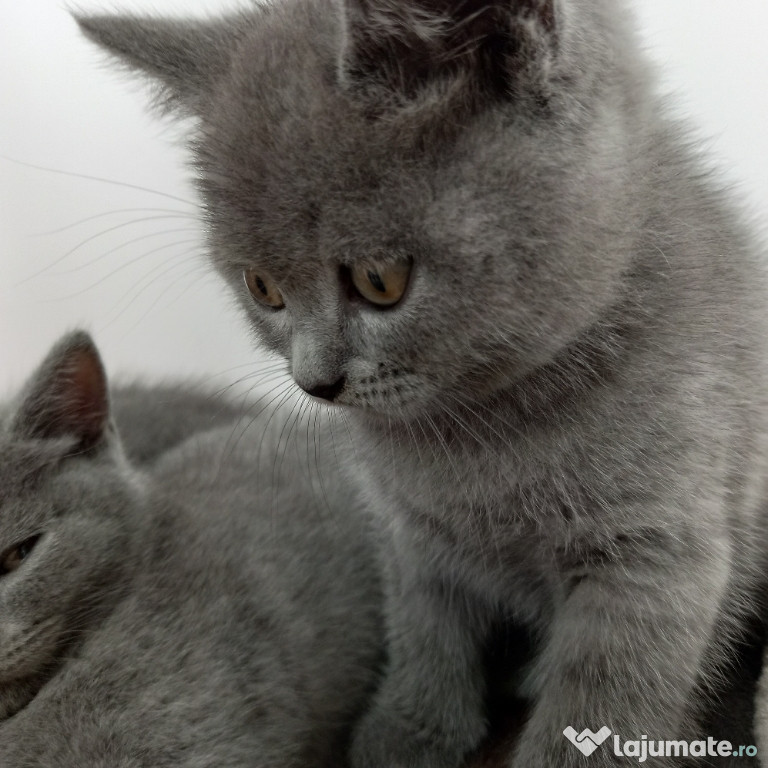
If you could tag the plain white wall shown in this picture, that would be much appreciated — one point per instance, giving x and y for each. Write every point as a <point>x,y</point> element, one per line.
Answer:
<point>73,253</point>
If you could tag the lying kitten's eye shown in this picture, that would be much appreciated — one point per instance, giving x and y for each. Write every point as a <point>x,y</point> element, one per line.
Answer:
<point>263,288</point>
<point>12,558</point>
<point>381,284</point>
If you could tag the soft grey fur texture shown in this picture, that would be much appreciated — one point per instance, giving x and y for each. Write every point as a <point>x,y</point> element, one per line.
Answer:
<point>564,419</point>
<point>213,611</point>
<point>153,418</point>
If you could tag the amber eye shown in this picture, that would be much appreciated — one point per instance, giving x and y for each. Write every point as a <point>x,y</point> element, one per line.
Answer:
<point>12,558</point>
<point>263,288</point>
<point>382,284</point>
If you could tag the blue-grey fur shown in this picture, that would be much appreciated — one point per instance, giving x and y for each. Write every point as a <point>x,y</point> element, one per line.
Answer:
<point>212,610</point>
<point>153,418</point>
<point>564,419</point>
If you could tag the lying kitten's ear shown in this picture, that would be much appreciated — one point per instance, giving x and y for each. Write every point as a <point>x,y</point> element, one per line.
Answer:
<point>67,396</point>
<point>182,56</point>
<point>504,44</point>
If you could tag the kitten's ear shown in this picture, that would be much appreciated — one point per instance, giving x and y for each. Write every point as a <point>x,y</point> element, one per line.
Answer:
<point>67,396</point>
<point>403,44</point>
<point>182,56</point>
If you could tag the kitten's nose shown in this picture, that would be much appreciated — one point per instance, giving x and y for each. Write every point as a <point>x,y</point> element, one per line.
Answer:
<point>327,391</point>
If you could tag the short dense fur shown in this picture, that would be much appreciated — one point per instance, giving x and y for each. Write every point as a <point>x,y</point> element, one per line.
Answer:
<point>154,418</point>
<point>213,611</point>
<point>564,419</point>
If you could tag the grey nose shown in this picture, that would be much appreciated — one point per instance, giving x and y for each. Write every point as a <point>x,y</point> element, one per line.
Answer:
<point>327,391</point>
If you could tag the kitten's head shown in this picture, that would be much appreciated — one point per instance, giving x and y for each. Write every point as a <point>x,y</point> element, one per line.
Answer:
<point>66,509</point>
<point>412,199</point>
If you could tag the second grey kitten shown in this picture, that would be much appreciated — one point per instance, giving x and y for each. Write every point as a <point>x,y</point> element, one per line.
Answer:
<point>213,610</point>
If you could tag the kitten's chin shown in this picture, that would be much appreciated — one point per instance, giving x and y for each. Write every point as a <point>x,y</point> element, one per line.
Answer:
<point>386,410</point>
<point>384,414</point>
<point>403,416</point>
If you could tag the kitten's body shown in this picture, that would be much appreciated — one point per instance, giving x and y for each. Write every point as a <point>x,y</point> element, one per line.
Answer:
<point>152,419</point>
<point>565,416</point>
<point>216,611</point>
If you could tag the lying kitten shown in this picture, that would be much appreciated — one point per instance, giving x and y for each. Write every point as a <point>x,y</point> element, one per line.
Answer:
<point>207,613</point>
<point>471,226</point>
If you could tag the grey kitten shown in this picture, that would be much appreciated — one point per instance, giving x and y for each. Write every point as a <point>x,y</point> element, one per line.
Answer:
<point>212,611</point>
<point>472,227</point>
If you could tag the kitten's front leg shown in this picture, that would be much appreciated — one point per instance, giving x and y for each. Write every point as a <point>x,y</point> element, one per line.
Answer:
<point>624,650</point>
<point>429,709</point>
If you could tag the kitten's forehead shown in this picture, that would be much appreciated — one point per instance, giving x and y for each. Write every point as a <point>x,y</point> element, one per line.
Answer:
<point>24,462</point>
<point>284,145</point>
<point>326,188</point>
<point>293,121</point>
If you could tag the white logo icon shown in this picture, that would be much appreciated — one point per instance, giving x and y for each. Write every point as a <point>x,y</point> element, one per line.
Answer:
<point>586,741</point>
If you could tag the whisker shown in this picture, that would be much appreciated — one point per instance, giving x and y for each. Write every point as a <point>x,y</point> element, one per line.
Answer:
<point>95,217</point>
<point>460,480</point>
<point>277,465</point>
<point>245,423</point>
<point>191,283</point>
<point>316,408</point>
<point>333,439</point>
<point>272,369</point>
<point>68,253</point>
<point>132,241</point>
<point>150,278</point>
<point>421,461</point>
<point>88,177</point>
<point>130,263</point>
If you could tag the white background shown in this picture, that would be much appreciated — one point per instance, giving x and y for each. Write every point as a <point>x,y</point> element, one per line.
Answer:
<point>142,287</point>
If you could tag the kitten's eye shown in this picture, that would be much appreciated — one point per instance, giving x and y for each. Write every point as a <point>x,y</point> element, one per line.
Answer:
<point>12,558</point>
<point>263,288</point>
<point>381,284</point>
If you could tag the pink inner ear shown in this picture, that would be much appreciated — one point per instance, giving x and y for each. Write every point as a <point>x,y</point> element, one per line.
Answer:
<point>86,402</point>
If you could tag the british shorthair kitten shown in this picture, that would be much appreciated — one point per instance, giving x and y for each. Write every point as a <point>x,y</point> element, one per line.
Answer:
<point>471,226</point>
<point>211,610</point>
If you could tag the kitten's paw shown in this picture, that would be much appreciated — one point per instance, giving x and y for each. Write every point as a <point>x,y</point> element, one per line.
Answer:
<point>383,741</point>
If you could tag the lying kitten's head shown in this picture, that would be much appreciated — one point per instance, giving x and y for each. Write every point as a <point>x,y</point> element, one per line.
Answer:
<point>411,200</point>
<point>65,512</point>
